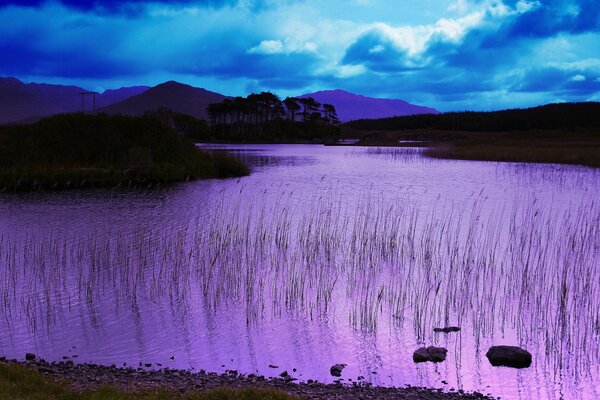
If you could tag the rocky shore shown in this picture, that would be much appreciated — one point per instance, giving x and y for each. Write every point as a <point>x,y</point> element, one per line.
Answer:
<point>91,376</point>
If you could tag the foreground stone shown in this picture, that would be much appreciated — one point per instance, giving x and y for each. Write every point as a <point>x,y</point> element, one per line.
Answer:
<point>431,353</point>
<point>336,370</point>
<point>509,356</point>
<point>91,376</point>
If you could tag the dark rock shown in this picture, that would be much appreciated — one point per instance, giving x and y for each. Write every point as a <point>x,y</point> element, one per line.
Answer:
<point>29,356</point>
<point>509,356</point>
<point>431,353</point>
<point>273,366</point>
<point>447,329</point>
<point>336,370</point>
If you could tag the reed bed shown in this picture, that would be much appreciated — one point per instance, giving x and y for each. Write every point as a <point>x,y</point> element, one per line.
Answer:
<point>389,153</point>
<point>528,268</point>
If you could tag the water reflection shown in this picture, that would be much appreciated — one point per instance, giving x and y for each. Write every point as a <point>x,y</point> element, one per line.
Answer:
<point>321,256</point>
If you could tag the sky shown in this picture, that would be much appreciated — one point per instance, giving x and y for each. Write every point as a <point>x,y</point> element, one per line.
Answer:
<point>447,54</point>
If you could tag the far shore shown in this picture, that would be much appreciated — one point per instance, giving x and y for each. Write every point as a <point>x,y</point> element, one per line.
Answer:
<point>577,147</point>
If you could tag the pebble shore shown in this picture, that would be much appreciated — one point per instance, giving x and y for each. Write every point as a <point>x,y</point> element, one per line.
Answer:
<point>91,376</point>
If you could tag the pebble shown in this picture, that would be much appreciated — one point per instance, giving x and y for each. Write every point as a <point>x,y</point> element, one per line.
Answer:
<point>92,376</point>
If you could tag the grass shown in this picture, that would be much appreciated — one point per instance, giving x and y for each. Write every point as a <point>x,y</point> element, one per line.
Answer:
<point>557,147</point>
<point>77,150</point>
<point>574,149</point>
<point>20,383</point>
<point>530,267</point>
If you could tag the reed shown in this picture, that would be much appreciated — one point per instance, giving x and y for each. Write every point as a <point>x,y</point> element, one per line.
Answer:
<point>528,268</point>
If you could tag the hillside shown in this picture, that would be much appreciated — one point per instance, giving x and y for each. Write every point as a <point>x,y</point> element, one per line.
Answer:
<point>547,117</point>
<point>20,101</point>
<point>184,99</point>
<point>350,106</point>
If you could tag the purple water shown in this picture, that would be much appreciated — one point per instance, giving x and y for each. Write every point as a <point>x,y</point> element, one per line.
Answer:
<point>323,255</point>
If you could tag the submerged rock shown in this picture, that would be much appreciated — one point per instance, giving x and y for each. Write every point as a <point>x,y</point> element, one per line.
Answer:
<point>336,370</point>
<point>509,356</point>
<point>431,353</point>
<point>447,329</point>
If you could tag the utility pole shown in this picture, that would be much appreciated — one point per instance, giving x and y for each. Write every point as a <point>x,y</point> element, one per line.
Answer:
<point>93,94</point>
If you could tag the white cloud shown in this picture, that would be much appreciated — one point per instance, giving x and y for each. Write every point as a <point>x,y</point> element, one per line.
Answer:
<point>377,49</point>
<point>348,71</point>
<point>267,47</point>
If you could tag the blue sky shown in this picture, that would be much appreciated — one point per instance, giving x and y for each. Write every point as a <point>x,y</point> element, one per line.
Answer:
<point>449,54</point>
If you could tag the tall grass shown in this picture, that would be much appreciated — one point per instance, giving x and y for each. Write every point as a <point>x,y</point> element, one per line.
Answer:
<point>529,267</point>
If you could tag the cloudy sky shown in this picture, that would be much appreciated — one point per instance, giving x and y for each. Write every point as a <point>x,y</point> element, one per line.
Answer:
<point>449,54</point>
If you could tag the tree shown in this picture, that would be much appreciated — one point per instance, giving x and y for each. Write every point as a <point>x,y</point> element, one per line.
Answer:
<point>330,114</point>
<point>292,106</point>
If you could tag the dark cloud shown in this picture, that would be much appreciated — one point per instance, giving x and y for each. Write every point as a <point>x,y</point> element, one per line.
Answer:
<point>497,62</point>
<point>135,8</point>
<point>549,18</point>
<point>571,82</point>
<point>375,50</point>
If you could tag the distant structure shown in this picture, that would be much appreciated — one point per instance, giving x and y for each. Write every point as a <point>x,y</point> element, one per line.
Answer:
<point>93,94</point>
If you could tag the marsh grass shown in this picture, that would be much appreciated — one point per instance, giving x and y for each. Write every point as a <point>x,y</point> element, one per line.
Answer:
<point>527,268</point>
<point>557,153</point>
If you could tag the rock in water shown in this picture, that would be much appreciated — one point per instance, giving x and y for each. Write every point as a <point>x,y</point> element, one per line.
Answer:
<point>509,356</point>
<point>447,329</point>
<point>337,369</point>
<point>431,353</point>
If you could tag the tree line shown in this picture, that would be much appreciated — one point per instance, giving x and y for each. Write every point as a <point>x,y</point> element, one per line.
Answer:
<point>266,115</point>
<point>547,117</point>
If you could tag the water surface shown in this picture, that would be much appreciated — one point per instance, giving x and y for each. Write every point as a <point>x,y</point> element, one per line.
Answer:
<point>323,255</point>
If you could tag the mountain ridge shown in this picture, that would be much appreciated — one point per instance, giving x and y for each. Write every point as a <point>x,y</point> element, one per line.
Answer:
<point>352,106</point>
<point>21,101</point>
<point>28,102</point>
<point>178,97</point>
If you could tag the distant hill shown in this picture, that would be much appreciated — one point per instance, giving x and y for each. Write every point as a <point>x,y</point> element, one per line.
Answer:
<point>350,106</point>
<point>29,102</point>
<point>561,116</point>
<point>176,96</point>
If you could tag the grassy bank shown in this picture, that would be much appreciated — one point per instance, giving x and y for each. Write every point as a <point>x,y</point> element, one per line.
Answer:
<point>541,147</point>
<point>19,382</point>
<point>77,150</point>
<point>577,147</point>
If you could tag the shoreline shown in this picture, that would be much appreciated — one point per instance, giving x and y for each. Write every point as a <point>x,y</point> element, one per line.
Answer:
<point>84,377</point>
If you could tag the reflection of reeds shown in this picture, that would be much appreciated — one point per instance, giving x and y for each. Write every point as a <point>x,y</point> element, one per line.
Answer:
<point>391,153</point>
<point>531,269</point>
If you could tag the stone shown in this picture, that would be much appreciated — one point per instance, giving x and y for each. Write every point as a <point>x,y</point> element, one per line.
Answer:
<point>447,329</point>
<point>431,354</point>
<point>29,356</point>
<point>509,356</point>
<point>336,370</point>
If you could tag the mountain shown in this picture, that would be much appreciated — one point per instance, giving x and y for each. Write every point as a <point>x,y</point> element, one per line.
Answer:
<point>20,101</point>
<point>350,106</point>
<point>178,97</point>
<point>112,96</point>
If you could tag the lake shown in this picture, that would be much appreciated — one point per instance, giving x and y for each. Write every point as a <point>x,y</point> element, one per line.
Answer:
<point>322,255</point>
